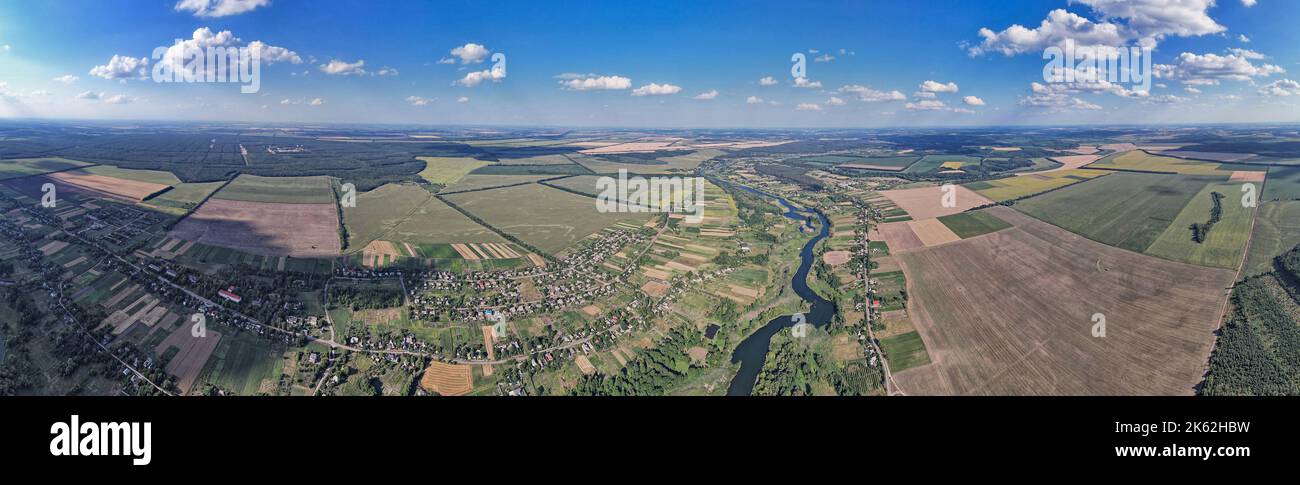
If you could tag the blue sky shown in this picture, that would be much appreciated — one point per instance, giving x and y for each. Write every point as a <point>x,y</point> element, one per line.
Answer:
<point>1224,61</point>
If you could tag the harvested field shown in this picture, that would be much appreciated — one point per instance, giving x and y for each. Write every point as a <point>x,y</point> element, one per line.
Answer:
<point>991,314</point>
<point>297,230</point>
<point>656,289</point>
<point>927,202</point>
<point>1244,176</point>
<point>448,379</point>
<point>584,364</point>
<point>107,186</point>
<point>931,232</point>
<point>448,170</point>
<point>1146,162</point>
<point>379,316</point>
<point>1068,163</point>
<point>898,235</point>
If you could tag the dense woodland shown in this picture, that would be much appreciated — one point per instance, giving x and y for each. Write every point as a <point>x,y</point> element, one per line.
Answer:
<point>652,373</point>
<point>1258,350</point>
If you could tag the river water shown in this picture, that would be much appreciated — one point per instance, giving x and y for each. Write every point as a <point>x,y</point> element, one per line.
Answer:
<point>752,352</point>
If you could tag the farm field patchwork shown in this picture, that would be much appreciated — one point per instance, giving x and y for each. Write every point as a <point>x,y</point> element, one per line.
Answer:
<point>993,319</point>
<point>971,224</point>
<point>22,167</point>
<point>1024,185</point>
<point>1283,183</point>
<point>106,186</point>
<point>409,213</point>
<point>1226,241</point>
<point>927,202</point>
<point>1138,160</point>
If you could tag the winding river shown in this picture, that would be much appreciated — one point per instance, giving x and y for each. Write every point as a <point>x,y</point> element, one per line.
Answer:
<point>752,352</point>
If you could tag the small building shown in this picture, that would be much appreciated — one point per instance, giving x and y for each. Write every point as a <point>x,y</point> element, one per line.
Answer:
<point>229,296</point>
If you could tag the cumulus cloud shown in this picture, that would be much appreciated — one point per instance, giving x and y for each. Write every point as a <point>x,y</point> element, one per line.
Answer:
<point>973,101</point>
<point>470,53</point>
<point>592,82</point>
<point>753,100</point>
<point>495,74</point>
<point>1243,39</point>
<point>834,101</point>
<point>121,67</point>
<point>938,87</point>
<point>446,60</point>
<point>204,38</point>
<point>66,79</point>
<point>870,95</point>
<point>219,8</point>
<point>803,82</point>
<point>767,81</point>
<point>927,105</point>
<point>417,101</point>
<point>317,102</point>
<point>824,58</point>
<point>271,54</point>
<point>462,99</point>
<point>1210,69</point>
<point>1055,97</point>
<point>707,95</point>
<point>386,71</point>
<point>1120,22</point>
<point>808,107</point>
<point>105,98</point>
<point>1283,87</point>
<point>337,67</point>
<point>1248,3</point>
<point>653,89</point>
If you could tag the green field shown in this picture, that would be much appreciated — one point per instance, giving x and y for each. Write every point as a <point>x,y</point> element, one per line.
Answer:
<point>971,224</point>
<point>240,362</point>
<point>646,163</point>
<point>900,162</point>
<point>547,218</point>
<point>408,213</point>
<point>149,176</point>
<point>1223,246</point>
<point>184,196</point>
<point>905,351</point>
<point>1138,160</point>
<point>22,167</point>
<point>1277,230</point>
<point>1283,184</point>
<point>285,190</point>
<point>448,170</point>
<point>1126,210</point>
<point>478,182</point>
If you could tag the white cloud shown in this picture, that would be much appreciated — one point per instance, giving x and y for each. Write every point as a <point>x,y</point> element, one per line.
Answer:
<point>867,94</point>
<point>924,95</point>
<point>1283,87</point>
<point>117,99</point>
<point>495,74</point>
<point>767,81</point>
<point>470,53</point>
<point>803,82</point>
<point>286,101</point>
<point>1248,3</point>
<point>462,99</point>
<point>1246,53</point>
<point>66,79</point>
<point>592,82</point>
<point>271,54</point>
<point>938,87</point>
<point>1191,90</point>
<point>219,8</point>
<point>386,71</point>
<point>927,105</point>
<point>753,100</point>
<point>808,107</point>
<point>343,68</point>
<point>1146,22</point>
<point>1210,69</point>
<point>317,102</point>
<point>1055,97</point>
<point>653,89</point>
<point>446,60</point>
<point>417,101</point>
<point>973,101</point>
<point>824,58</point>
<point>5,47</point>
<point>1243,39</point>
<point>121,67</point>
<point>707,95</point>
<point>834,101</point>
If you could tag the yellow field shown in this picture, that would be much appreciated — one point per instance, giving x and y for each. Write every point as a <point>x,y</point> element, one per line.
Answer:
<point>448,170</point>
<point>1140,160</point>
<point>1016,187</point>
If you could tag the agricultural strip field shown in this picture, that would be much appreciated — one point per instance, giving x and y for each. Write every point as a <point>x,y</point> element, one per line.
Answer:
<point>648,163</point>
<point>22,167</point>
<point>479,182</point>
<point>905,351</point>
<point>1223,246</point>
<point>131,190</point>
<point>298,230</point>
<point>548,218</point>
<point>409,213</point>
<point>927,202</point>
<point>283,190</point>
<point>147,176</point>
<point>971,224</point>
<point>1283,184</point>
<point>1141,161</point>
<point>936,162</point>
<point>184,196</point>
<point>993,317</point>
<point>1277,230</point>
<point>1126,210</point>
<point>448,170</point>
<point>1012,188</point>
